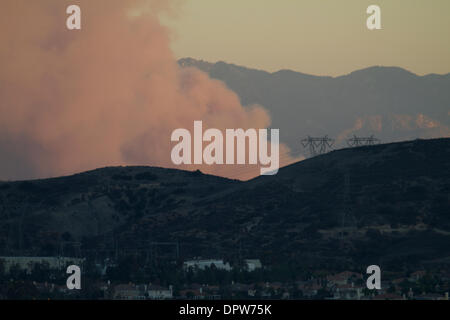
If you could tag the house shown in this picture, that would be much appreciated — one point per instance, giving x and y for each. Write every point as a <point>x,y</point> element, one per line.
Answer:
<point>240,287</point>
<point>348,292</point>
<point>310,289</point>
<point>197,291</point>
<point>252,264</point>
<point>206,263</point>
<point>128,292</point>
<point>159,293</point>
<point>192,293</point>
<point>211,292</point>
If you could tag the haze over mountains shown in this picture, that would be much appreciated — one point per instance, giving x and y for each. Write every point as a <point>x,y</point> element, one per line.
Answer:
<point>389,102</point>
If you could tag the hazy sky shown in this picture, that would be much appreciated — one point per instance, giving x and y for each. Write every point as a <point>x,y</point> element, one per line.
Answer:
<point>325,37</point>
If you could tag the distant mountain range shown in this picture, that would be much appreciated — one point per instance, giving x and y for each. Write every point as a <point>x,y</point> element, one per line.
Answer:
<point>386,204</point>
<point>389,102</point>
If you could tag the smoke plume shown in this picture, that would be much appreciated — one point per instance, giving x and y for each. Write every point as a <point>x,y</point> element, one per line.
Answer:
<point>108,94</point>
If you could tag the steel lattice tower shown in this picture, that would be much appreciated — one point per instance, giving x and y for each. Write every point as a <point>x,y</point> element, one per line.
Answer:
<point>318,145</point>
<point>362,141</point>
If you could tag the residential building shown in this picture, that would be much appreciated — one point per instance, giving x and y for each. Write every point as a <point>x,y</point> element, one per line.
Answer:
<point>252,264</point>
<point>159,293</point>
<point>207,263</point>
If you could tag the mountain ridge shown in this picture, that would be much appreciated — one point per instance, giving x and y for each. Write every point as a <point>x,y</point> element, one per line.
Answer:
<point>206,66</point>
<point>389,102</point>
<point>394,197</point>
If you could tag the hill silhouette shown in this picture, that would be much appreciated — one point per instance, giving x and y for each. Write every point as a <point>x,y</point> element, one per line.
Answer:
<point>386,204</point>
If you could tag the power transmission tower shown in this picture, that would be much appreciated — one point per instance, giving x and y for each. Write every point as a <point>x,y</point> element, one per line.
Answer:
<point>318,145</point>
<point>362,141</point>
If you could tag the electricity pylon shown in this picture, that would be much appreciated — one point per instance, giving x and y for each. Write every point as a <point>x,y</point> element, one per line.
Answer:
<point>318,145</point>
<point>362,141</point>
